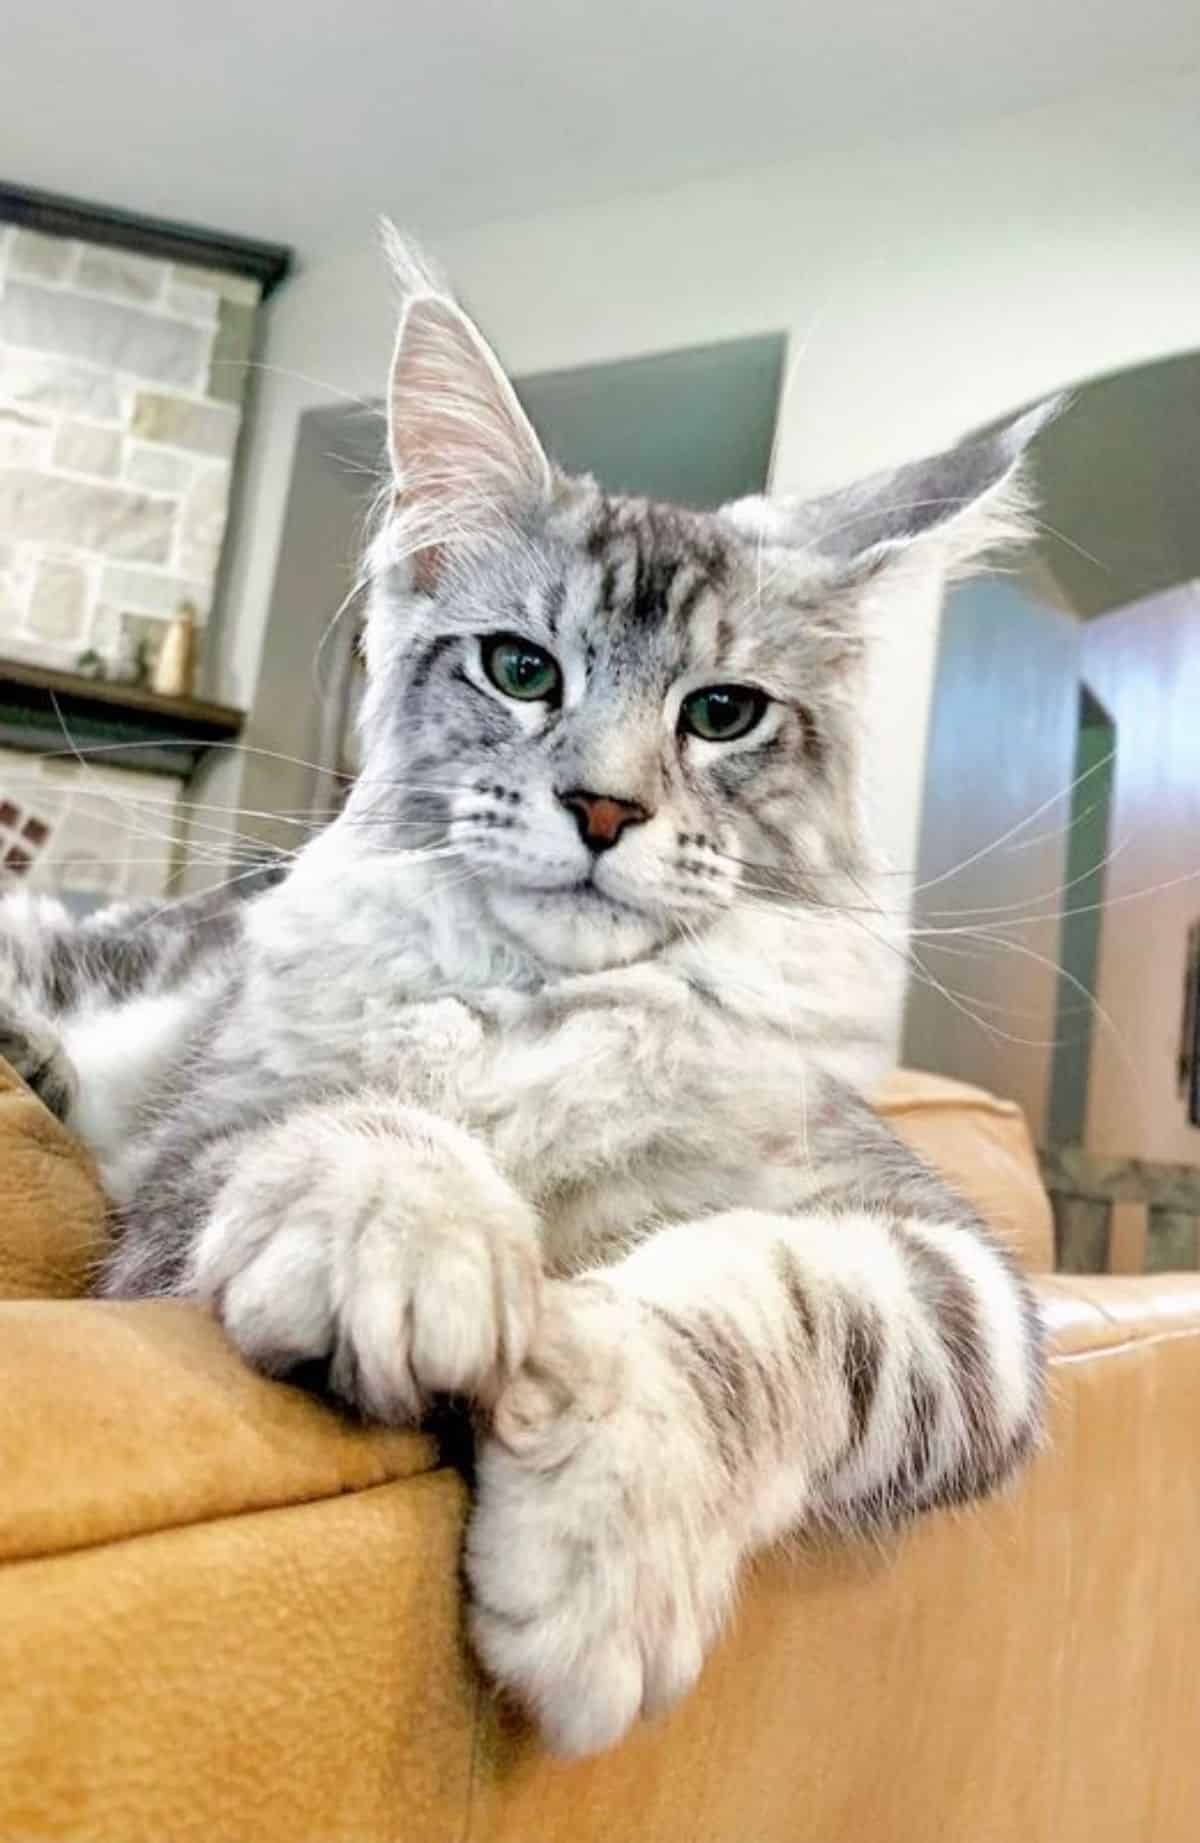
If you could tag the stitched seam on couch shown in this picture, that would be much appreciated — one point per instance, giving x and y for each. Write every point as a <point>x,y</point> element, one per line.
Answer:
<point>1145,1341</point>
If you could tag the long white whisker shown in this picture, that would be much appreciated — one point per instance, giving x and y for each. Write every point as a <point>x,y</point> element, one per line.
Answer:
<point>1013,830</point>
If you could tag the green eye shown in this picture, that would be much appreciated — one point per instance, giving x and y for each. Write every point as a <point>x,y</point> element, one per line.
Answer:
<point>721,713</point>
<point>520,669</point>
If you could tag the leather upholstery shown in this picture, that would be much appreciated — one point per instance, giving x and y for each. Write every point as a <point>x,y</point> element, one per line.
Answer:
<point>51,1211</point>
<point>982,1145</point>
<point>227,1615</point>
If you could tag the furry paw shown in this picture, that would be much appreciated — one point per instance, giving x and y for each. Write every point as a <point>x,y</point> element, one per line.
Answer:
<point>598,1567</point>
<point>31,1045</point>
<point>383,1241</point>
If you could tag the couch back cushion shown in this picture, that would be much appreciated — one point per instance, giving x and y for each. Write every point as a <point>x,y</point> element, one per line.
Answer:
<point>981,1145</point>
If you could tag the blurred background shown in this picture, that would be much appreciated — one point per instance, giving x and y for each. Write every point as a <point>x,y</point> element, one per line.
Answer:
<point>719,249</point>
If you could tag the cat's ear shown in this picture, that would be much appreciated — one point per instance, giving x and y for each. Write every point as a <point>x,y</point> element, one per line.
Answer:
<point>465,460</point>
<point>956,507</point>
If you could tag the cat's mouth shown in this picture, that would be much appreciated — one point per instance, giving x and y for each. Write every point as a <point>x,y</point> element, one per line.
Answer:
<point>586,892</point>
<point>580,894</point>
<point>576,925</point>
<point>584,897</point>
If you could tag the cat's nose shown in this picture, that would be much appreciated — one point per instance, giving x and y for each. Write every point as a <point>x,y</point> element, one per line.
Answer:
<point>600,818</point>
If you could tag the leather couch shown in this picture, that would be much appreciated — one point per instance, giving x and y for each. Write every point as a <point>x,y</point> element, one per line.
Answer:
<point>228,1616</point>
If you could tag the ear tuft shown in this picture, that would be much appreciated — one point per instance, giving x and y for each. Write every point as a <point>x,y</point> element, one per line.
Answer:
<point>466,462</point>
<point>414,273</point>
<point>962,505</point>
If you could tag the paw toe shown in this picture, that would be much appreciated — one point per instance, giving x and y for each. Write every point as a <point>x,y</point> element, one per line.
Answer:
<point>453,1324</point>
<point>277,1308</point>
<point>584,1692</point>
<point>671,1670</point>
<point>595,1705</point>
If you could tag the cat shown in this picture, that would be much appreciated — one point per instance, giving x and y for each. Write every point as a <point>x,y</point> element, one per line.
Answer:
<point>537,1080</point>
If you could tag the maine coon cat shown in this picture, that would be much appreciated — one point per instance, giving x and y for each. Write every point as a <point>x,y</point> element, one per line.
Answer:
<point>536,1081</point>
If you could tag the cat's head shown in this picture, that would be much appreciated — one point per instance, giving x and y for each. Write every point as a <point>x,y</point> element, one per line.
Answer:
<point>621,718</point>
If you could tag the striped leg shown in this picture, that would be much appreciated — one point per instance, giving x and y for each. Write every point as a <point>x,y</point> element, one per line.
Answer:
<point>727,1382</point>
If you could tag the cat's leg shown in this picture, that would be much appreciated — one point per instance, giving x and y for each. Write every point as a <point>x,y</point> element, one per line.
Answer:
<point>29,1039</point>
<point>726,1383</point>
<point>367,1234</point>
<point>30,1044</point>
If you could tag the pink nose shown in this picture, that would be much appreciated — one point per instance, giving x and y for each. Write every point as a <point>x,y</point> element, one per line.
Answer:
<point>601,819</point>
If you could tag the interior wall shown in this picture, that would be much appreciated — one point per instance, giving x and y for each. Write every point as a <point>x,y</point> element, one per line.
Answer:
<point>997,804</point>
<point>696,427</point>
<point>1143,663</point>
<point>1120,472</point>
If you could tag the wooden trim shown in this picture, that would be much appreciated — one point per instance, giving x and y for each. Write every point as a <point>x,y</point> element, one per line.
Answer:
<point>220,719</point>
<point>1069,1171</point>
<point>52,713</point>
<point>59,216</point>
<point>1128,1234</point>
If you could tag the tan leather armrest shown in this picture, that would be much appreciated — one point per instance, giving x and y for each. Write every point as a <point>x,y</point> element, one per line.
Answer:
<point>1023,1669</point>
<point>121,1418</point>
<point>1089,1314</point>
<point>294,1670</point>
<point>118,1418</point>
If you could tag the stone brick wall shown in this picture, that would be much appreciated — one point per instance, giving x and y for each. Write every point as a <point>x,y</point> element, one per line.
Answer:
<point>121,386</point>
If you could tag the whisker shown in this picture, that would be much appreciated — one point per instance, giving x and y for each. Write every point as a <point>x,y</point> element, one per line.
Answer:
<point>1007,908</point>
<point>1013,831</point>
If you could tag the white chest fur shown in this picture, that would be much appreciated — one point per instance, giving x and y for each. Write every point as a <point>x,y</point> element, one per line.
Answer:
<point>360,975</point>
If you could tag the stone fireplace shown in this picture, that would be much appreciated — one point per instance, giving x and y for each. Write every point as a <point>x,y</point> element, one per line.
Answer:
<point>122,379</point>
<point>125,349</point>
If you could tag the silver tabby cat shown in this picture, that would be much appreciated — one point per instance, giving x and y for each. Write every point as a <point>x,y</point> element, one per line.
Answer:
<point>536,1080</point>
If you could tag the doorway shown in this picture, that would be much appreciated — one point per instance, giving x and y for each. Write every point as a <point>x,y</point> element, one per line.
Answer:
<point>1083,895</point>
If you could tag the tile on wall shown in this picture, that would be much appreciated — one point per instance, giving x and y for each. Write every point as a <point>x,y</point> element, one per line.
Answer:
<point>147,591</point>
<point>45,381</point>
<point>231,351</point>
<point>202,523</point>
<point>120,272</point>
<point>242,288</point>
<point>182,422</point>
<point>58,603</point>
<point>47,508</point>
<point>193,303</point>
<point>88,448</point>
<point>159,470</point>
<point>120,338</point>
<point>44,258</point>
<point>25,437</point>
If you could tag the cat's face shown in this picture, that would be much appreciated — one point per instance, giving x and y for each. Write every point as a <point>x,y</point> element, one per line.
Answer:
<point>620,729</point>
<point>616,720</point>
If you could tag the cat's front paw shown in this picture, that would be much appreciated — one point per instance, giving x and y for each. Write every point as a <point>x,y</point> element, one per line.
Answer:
<point>31,1045</point>
<point>599,1564</point>
<point>387,1244</point>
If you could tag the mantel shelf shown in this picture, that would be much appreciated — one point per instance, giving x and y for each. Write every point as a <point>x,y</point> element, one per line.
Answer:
<point>124,726</point>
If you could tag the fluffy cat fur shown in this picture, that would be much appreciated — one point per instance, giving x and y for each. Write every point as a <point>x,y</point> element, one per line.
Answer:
<point>467,1105</point>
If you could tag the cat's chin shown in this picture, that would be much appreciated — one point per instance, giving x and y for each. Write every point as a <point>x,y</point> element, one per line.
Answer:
<point>574,933</point>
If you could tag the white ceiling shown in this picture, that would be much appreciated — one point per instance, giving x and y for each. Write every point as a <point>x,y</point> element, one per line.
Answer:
<point>301,121</point>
